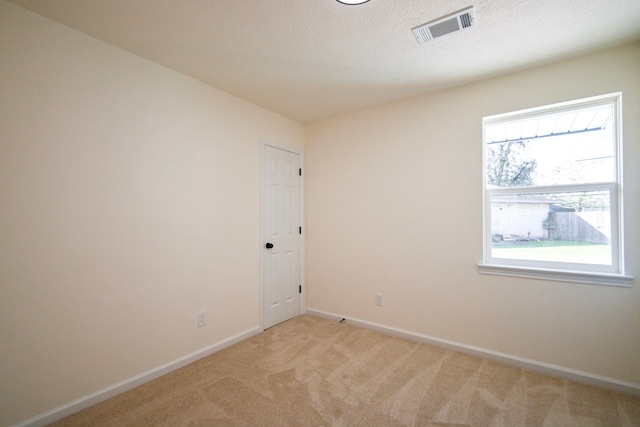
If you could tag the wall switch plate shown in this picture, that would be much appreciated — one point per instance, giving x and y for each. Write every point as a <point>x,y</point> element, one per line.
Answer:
<point>379,300</point>
<point>202,318</point>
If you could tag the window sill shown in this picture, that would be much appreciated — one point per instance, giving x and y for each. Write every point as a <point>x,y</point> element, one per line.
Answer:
<point>558,275</point>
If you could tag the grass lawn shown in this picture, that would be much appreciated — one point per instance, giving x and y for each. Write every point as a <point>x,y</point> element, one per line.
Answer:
<point>556,250</point>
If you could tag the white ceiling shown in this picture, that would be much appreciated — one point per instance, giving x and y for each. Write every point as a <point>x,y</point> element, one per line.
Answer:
<point>313,59</point>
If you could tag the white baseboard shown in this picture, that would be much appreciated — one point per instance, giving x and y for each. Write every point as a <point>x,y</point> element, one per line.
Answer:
<point>507,359</point>
<point>111,391</point>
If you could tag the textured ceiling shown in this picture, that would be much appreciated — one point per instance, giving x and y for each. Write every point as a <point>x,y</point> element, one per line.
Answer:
<point>313,59</point>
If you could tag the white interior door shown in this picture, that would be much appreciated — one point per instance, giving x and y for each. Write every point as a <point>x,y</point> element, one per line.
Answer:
<point>282,236</point>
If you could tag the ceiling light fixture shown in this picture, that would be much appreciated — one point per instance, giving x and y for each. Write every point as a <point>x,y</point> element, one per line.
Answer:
<point>352,2</point>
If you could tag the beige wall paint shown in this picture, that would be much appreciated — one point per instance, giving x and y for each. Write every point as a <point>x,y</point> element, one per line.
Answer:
<point>129,201</point>
<point>394,206</point>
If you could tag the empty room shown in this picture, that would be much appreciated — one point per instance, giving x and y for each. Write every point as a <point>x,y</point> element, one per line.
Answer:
<point>319,212</point>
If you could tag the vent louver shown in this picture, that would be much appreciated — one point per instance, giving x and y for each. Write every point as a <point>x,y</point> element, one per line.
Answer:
<point>465,20</point>
<point>446,25</point>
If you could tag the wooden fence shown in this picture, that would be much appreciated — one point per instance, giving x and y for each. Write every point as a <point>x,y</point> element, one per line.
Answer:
<point>592,227</point>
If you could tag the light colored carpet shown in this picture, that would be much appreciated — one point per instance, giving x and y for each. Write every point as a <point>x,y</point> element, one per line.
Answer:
<point>310,371</point>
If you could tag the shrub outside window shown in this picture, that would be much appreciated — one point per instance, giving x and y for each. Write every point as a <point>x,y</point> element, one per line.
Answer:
<point>552,192</point>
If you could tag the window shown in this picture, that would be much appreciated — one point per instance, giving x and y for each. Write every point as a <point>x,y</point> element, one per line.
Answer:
<point>553,194</point>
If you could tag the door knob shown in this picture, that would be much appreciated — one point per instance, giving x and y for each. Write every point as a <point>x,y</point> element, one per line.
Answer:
<point>269,245</point>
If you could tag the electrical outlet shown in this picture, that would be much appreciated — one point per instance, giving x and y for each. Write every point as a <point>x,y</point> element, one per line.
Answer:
<point>379,300</point>
<point>202,318</point>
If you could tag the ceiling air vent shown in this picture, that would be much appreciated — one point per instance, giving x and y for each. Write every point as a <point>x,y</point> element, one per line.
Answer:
<point>449,24</point>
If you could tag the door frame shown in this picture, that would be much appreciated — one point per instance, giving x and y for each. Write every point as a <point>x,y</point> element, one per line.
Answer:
<point>263,144</point>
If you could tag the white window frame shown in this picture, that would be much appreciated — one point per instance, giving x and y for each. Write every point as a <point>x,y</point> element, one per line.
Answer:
<point>561,271</point>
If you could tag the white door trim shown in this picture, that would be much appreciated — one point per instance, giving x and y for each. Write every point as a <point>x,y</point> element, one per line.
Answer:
<point>267,143</point>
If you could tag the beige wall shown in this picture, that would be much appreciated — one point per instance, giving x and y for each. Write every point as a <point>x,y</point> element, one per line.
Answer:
<point>394,205</point>
<point>129,201</point>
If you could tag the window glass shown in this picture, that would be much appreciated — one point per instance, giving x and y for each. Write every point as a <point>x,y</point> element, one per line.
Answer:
<point>552,195</point>
<point>572,227</point>
<point>551,149</point>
